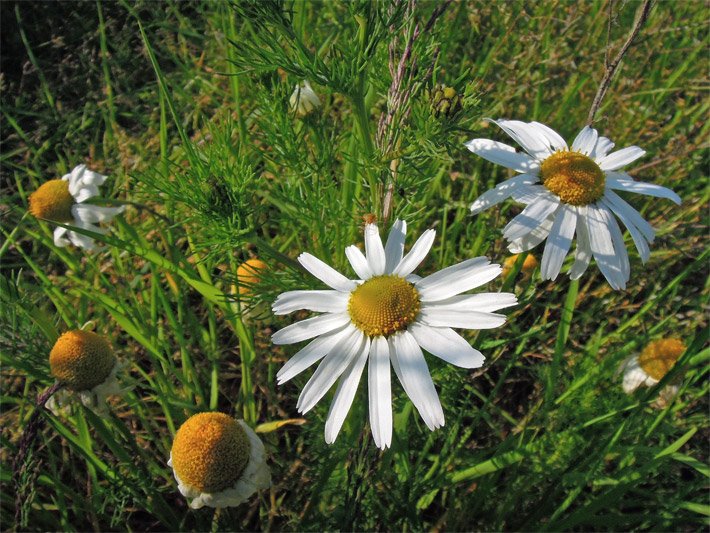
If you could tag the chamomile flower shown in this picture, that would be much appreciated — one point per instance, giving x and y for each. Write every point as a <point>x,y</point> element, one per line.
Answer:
<point>528,267</point>
<point>568,191</point>
<point>304,99</point>
<point>85,364</point>
<point>218,461</point>
<point>384,317</point>
<point>651,365</point>
<point>62,200</point>
<point>248,275</point>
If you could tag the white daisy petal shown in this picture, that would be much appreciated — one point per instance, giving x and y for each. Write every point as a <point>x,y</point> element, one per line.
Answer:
<point>318,301</point>
<point>326,273</point>
<point>374,250</point>
<point>95,213</point>
<point>358,262</point>
<point>617,240</point>
<point>447,345</point>
<point>81,241</point>
<point>309,328</point>
<point>483,301</point>
<point>74,179</point>
<point>312,353</point>
<point>635,376</point>
<point>583,253</point>
<point>416,255</point>
<point>640,187</point>
<point>529,137</point>
<point>460,319</point>
<point>586,141</point>
<point>559,242</point>
<point>527,194</point>
<point>59,237</point>
<point>86,192</point>
<point>602,247</point>
<point>621,206</point>
<point>416,380</point>
<point>638,238</point>
<point>501,192</point>
<point>89,177</point>
<point>394,249</point>
<point>553,138</point>
<point>502,154</point>
<point>602,148</point>
<point>621,158</point>
<point>455,279</point>
<point>380,392</point>
<point>531,217</point>
<point>532,239</point>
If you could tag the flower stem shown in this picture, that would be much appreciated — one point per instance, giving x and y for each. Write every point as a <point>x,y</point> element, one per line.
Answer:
<point>562,335</point>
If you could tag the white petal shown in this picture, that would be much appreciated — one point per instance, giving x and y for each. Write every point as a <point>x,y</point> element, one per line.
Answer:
<point>529,137</point>
<point>312,353</point>
<point>451,318</point>
<point>412,370</point>
<point>532,239</point>
<point>620,205</point>
<point>639,240</point>
<point>92,178</point>
<point>531,217</point>
<point>95,213</point>
<point>446,344</point>
<point>59,237</point>
<point>502,154</point>
<point>457,278</point>
<point>416,255</point>
<point>641,187</point>
<point>309,328</point>
<point>603,248</point>
<point>553,138</point>
<point>330,370</point>
<point>583,253</point>
<point>86,192</point>
<point>559,242</point>
<point>621,158</point>
<point>380,392</point>
<point>374,250</point>
<point>483,301</point>
<point>80,240</point>
<point>617,240</point>
<point>602,148</point>
<point>318,301</point>
<point>586,141</point>
<point>635,376</point>
<point>74,179</point>
<point>528,194</point>
<point>358,262</point>
<point>501,192</point>
<point>394,249</point>
<point>344,395</point>
<point>326,274</point>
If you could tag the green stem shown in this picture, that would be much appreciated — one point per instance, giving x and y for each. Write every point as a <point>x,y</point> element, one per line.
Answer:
<point>562,335</point>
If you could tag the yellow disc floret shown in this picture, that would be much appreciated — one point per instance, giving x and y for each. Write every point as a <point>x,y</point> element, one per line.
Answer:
<point>660,356</point>
<point>574,177</point>
<point>52,201</point>
<point>210,452</point>
<point>81,359</point>
<point>248,274</point>
<point>383,305</point>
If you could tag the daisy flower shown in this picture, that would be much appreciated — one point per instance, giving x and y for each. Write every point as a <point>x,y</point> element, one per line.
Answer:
<point>218,461</point>
<point>386,315</point>
<point>304,99</point>
<point>649,367</point>
<point>62,200</point>
<point>528,267</point>
<point>84,363</point>
<point>567,191</point>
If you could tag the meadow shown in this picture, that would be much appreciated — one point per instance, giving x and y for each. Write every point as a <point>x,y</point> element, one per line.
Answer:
<point>187,108</point>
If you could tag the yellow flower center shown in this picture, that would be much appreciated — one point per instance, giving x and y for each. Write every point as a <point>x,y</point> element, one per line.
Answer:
<point>383,305</point>
<point>574,177</point>
<point>210,452</point>
<point>528,266</point>
<point>81,360</point>
<point>660,356</point>
<point>248,275</point>
<point>52,201</point>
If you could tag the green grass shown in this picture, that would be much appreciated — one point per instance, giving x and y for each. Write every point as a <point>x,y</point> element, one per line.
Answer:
<point>185,106</point>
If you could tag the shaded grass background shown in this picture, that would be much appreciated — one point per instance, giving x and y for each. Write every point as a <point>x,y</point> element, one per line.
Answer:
<point>237,176</point>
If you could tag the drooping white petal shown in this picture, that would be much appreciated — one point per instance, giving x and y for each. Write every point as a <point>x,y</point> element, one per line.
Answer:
<point>620,205</point>
<point>394,249</point>
<point>554,139</point>
<point>621,158</point>
<point>501,192</point>
<point>95,213</point>
<point>502,154</point>
<point>559,242</point>
<point>614,181</point>
<point>639,240</point>
<point>602,148</point>
<point>374,250</point>
<point>603,248</point>
<point>330,369</point>
<point>380,392</point>
<point>635,376</point>
<point>483,301</point>
<point>412,370</point>
<point>59,237</point>
<point>326,273</point>
<point>312,353</point>
<point>532,239</point>
<point>416,255</point>
<point>583,253</point>
<point>617,240</point>
<point>460,319</point>
<point>447,345</point>
<point>344,395</point>
<point>531,217</point>
<point>586,141</point>
<point>358,262</point>
<point>529,137</point>
<point>89,177</point>
<point>82,241</point>
<point>309,328</point>
<point>318,301</point>
<point>74,179</point>
<point>457,278</point>
<point>86,192</point>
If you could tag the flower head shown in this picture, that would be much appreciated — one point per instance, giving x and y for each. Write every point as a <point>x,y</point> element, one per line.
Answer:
<point>248,274</point>
<point>62,200</point>
<point>384,317</point>
<point>218,461</point>
<point>528,267</point>
<point>652,364</point>
<point>567,191</point>
<point>304,100</point>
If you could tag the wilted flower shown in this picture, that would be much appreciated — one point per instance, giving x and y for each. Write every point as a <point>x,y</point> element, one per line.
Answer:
<point>218,461</point>
<point>567,192</point>
<point>386,316</point>
<point>649,367</point>
<point>62,200</point>
<point>304,100</point>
